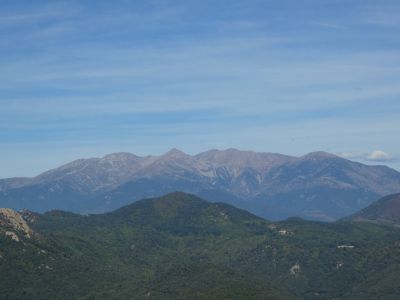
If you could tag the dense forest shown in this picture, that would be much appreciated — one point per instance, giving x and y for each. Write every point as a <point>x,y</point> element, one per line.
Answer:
<point>182,247</point>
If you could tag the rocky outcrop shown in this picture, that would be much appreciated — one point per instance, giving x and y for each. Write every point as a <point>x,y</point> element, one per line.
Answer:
<point>14,224</point>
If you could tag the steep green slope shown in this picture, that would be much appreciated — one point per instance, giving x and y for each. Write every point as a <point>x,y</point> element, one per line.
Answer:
<point>384,211</point>
<point>181,247</point>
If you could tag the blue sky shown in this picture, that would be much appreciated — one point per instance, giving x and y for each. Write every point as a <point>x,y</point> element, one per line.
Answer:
<point>86,78</point>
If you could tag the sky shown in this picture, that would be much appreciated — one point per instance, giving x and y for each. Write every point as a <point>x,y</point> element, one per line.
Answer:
<point>91,77</point>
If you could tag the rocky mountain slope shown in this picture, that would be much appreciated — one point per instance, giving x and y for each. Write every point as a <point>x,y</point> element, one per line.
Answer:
<point>13,225</point>
<point>182,247</point>
<point>317,186</point>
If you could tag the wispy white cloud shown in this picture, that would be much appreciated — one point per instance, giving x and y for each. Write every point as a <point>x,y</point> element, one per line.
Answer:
<point>194,77</point>
<point>379,156</point>
<point>329,25</point>
<point>350,155</point>
<point>374,156</point>
<point>383,15</point>
<point>55,10</point>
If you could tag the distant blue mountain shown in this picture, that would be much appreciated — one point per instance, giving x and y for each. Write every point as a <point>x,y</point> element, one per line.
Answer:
<point>317,186</point>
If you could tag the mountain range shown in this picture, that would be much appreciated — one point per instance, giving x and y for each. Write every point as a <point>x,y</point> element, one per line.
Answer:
<point>316,186</point>
<point>182,247</point>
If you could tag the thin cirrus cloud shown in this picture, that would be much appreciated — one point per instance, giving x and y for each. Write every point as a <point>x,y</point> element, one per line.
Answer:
<point>283,76</point>
<point>382,15</point>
